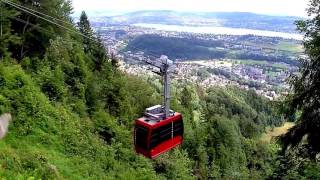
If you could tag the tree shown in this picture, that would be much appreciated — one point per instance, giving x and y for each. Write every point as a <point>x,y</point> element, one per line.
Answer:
<point>306,86</point>
<point>6,37</point>
<point>92,42</point>
<point>99,53</point>
<point>35,32</point>
<point>85,29</point>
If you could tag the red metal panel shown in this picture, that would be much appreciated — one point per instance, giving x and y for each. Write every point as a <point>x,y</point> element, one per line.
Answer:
<point>164,146</point>
<point>176,117</point>
<point>161,148</point>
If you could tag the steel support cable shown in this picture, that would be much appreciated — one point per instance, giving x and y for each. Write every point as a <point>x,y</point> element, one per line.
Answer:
<point>30,9</point>
<point>45,19</point>
<point>36,27</point>
<point>43,29</point>
<point>151,55</point>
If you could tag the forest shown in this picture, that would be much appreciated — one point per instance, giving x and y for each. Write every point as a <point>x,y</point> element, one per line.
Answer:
<point>73,112</point>
<point>192,48</point>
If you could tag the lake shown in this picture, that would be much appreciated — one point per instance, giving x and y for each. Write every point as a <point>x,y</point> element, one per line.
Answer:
<point>220,30</point>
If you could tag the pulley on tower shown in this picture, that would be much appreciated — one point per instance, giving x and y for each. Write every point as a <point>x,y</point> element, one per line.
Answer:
<point>160,129</point>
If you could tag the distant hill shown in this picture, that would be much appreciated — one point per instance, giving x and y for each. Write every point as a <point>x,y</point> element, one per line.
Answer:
<point>192,49</point>
<point>223,19</point>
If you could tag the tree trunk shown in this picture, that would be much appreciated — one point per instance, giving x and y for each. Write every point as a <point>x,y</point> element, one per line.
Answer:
<point>23,32</point>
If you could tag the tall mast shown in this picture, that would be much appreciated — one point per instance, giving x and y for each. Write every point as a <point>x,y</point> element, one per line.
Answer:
<point>163,63</point>
<point>166,86</point>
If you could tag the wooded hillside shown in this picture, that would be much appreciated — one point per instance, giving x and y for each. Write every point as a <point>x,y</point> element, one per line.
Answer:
<point>73,110</point>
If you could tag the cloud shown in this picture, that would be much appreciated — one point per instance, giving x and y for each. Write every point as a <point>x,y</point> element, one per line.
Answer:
<point>274,7</point>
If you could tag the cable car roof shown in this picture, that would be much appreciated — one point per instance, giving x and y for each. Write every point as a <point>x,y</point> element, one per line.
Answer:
<point>153,122</point>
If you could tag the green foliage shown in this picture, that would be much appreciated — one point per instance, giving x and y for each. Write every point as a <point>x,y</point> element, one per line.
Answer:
<point>7,38</point>
<point>296,164</point>
<point>62,127</point>
<point>62,138</point>
<point>177,48</point>
<point>175,165</point>
<point>73,112</point>
<point>91,139</point>
<point>221,141</point>
<point>252,113</point>
<point>85,29</point>
<point>224,147</point>
<point>34,33</point>
<point>306,87</point>
<point>92,44</point>
<point>196,48</point>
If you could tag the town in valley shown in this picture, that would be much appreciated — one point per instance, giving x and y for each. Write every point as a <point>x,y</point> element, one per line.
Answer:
<point>262,63</point>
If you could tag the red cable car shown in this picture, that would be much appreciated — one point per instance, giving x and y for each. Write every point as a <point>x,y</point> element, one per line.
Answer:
<point>160,129</point>
<point>154,136</point>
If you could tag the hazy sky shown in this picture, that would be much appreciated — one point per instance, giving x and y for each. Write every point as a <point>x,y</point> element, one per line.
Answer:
<point>273,7</point>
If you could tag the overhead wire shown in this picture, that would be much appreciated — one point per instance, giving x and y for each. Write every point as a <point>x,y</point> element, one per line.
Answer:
<point>38,12</point>
<point>45,30</point>
<point>45,19</point>
<point>28,10</point>
<point>36,27</point>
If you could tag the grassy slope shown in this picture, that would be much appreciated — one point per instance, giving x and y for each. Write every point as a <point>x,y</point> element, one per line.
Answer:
<point>289,46</point>
<point>47,140</point>
<point>275,132</point>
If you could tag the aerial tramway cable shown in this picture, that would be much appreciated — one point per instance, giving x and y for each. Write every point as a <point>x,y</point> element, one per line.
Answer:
<point>45,19</point>
<point>28,10</point>
<point>41,16</point>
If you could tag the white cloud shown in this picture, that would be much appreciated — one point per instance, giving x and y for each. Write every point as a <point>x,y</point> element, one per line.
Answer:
<point>275,7</point>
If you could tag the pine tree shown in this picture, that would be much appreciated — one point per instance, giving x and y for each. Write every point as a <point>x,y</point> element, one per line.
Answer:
<point>99,53</point>
<point>92,42</point>
<point>86,30</point>
<point>114,60</point>
<point>306,86</point>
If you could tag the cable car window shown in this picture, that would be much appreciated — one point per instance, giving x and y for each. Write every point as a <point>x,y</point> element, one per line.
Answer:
<point>177,128</point>
<point>164,133</point>
<point>160,135</point>
<point>141,137</point>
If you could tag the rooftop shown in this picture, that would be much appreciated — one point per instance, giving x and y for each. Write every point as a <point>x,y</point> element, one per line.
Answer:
<point>154,115</point>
